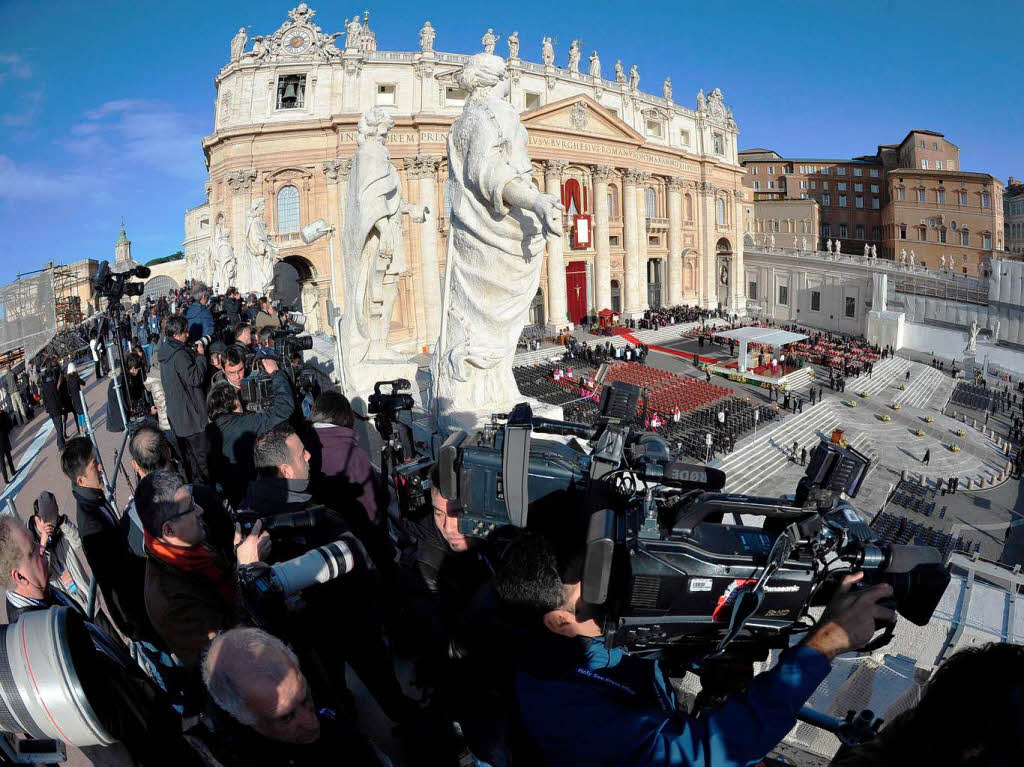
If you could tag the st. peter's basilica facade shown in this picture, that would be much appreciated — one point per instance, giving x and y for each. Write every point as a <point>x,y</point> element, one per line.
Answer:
<point>652,189</point>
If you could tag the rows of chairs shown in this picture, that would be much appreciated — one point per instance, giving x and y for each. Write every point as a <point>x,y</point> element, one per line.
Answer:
<point>975,397</point>
<point>536,381</point>
<point>668,390</point>
<point>894,529</point>
<point>916,498</point>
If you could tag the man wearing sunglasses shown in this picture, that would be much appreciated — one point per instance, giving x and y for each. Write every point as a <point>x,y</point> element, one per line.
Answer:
<point>191,588</point>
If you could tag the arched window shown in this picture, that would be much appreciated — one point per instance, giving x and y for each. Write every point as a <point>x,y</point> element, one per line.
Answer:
<point>688,202</point>
<point>572,197</point>
<point>720,211</point>
<point>288,210</point>
<point>652,203</point>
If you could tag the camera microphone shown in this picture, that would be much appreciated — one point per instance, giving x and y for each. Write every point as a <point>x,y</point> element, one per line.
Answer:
<point>142,271</point>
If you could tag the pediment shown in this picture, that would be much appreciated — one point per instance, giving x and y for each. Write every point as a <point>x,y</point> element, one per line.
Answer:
<point>580,115</point>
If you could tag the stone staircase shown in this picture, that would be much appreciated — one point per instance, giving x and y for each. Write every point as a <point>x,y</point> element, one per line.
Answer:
<point>800,379</point>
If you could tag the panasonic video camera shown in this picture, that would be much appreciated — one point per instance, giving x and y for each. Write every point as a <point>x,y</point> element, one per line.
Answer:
<point>674,563</point>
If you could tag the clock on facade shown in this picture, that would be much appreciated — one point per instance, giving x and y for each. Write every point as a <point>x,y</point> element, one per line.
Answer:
<point>296,40</point>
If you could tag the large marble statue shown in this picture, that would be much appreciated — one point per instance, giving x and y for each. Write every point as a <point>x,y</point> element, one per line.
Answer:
<point>867,250</point>
<point>259,48</point>
<point>238,44</point>
<point>910,259</point>
<point>513,45</point>
<point>225,263</point>
<point>634,78</point>
<point>666,89</point>
<point>499,224</point>
<point>427,34</point>
<point>489,40</point>
<point>353,31</point>
<point>373,250</point>
<point>771,240</point>
<point>574,57</point>
<point>256,270</point>
<point>595,65</point>
<point>796,244</point>
<point>828,246</point>
<point>547,52</point>
<point>311,307</point>
<point>803,243</point>
<point>972,338</point>
<point>903,256</point>
<point>874,251</point>
<point>702,102</point>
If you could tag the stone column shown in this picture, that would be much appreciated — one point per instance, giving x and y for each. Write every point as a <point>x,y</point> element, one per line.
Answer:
<point>739,286</point>
<point>602,174</point>
<point>240,182</point>
<point>557,316</point>
<point>630,265</point>
<point>707,227</point>
<point>424,170</point>
<point>336,171</point>
<point>641,237</point>
<point>675,238</point>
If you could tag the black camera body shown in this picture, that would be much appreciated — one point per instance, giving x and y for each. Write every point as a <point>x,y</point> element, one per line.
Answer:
<point>113,286</point>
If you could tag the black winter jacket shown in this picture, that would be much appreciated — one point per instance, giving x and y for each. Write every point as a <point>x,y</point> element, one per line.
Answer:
<point>182,374</point>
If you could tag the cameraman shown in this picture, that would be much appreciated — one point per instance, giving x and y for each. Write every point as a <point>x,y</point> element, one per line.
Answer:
<point>191,587</point>
<point>198,315</point>
<point>182,374</point>
<point>266,317</point>
<point>232,431</point>
<point>583,703</point>
<point>133,393</point>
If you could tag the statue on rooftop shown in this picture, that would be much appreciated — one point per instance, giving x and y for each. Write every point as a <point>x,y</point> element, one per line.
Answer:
<point>574,57</point>
<point>489,40</point>
<point>513,45</point>
<point>427,34</point>
<point>238,44</point>
<point>547,52</point>
<point>595,66</point>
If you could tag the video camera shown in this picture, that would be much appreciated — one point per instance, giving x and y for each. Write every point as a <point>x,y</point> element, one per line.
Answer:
<point>114,285</point>
<point>660,560</point>
<point>256,390</point>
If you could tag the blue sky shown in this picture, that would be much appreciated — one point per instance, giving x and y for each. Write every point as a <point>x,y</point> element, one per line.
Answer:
<point>103,104</point>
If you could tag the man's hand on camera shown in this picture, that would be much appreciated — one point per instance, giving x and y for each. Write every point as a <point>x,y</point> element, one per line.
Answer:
<point>254,547</point>
<point>269,366</point>
<point>848,623</point>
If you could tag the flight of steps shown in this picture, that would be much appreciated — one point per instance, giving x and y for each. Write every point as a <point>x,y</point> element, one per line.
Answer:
<point>800,379</point>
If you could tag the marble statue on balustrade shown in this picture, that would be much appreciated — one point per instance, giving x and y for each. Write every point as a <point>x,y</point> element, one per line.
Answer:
<point>513,46</point>
<point>666,89</point>
<point>311,307</point>
<point>972,339</point>
<point>942,263</point>
<point>256,268</point>
<point>828,246</point>
<point>803,243</point>
<point>867,250</point>
<point>910,260</point>
<point>595,66</point>
<point>771,240</point>
<point>702,102</point>
<point>903,256</point>
<point>574,57</point>
<point>353,31</point>
<point>225,262</point>
<point>796,243</point>
<point>634,78</point>
<point>427,34</point>
<point>489,40</point>
<point>238,44</point>
<point>838,247</point>
<point>547,52</point>
<point>620,75</point>
<point>498,228</point>
<point>374,257</point>
<point>874,251</point>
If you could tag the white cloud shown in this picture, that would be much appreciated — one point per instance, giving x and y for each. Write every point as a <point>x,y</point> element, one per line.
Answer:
<point>12,66</point>
<point>21,182</point>
<point>30,107</point>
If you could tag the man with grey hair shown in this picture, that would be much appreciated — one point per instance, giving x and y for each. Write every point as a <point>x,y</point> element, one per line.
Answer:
<point>198,315</point>
<point>265,712</point>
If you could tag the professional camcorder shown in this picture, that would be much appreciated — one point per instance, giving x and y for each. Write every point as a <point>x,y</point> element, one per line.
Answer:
<point>113,285</point>
<point>256,390</point>
<point>660,558</point>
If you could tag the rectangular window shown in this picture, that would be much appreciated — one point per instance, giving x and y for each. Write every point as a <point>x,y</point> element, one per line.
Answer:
<point>804,185</point>
<point>844,232</point>
<point>842,186</point>
<point>826,229</point>
<point>841,171</point>
<point>940,196</point>
<point>455,97</point>
<point>876,203</point>
<point>752,290</point>
<point>771,184</point>
<point>842,201</point>
<point>935,145</point>
<point>858,201</point>
<point>903,231</point>
<point>291,92</point>
<point>858,187</point>
<point>386,95</point>
<point>755,167</point>
<point>986,200</point>
<point>826,199</point>
<point>986,241</point>
<point>876,233</point>
<point>824,171</point>
<point>858,172</point>
<point>684,138</point>
<point>920,195</point>
<point>757,185</point>
<point>874,173</point>
<point>963,198</point>
<point>803,196</point>
<point>923,144</point>
<point>874,189</point>
<point>815,300</point>
<point>938,165</point>
<point>860,231</point>
<point>922,233</point>
<point>784,295</point>
<point>851,306</point>
<point>901,193</point>
<point>654,128</point>
<point>814,185</point>
<point>942,235</point>
<point>924,164</point>
<point>965,238</point>
<point>824,185</point>
<point>532,101</point>
<point>771,170</point>
<point>719,141</point>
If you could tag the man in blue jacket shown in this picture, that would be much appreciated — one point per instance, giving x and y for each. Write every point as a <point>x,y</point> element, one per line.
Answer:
<point>198,315</point>
<point>582,703</point>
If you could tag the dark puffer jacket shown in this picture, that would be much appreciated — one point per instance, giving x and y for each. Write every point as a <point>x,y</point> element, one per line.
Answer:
<point>182,373</point>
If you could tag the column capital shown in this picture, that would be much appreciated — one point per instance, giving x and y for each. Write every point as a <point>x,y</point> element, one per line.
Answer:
<point>337,169</point>
<point>632,176</point>
<point>239,180</point>
<point>602,174</point>
<point>676,183</point>
<point>644,177</point>
<point>422,165</point>
<point>555,168</point>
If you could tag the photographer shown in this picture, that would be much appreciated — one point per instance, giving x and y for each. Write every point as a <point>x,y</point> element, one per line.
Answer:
<point>231,306</point>
<point>583,703</point>
<point>265,710</point>
<point>232,431</point>
<point>182,374</point>
<point>133,392</point>
<point>51,386</point>
<point>190,585</point>
<point>198,316</point>
<point>243,334</point>
<point>266,317</point>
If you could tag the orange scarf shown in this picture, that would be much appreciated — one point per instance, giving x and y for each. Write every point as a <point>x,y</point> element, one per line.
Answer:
<point>195,559</point>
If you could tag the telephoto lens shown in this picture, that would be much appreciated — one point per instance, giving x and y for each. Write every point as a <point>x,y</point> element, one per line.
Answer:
<point>319,565</point>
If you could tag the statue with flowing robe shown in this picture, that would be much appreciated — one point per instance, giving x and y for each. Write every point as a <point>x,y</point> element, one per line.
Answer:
<point>311,307</point>
<point>260,253</point>
<point>238,44</point>
<point>498,230</point>
<point>373,249</point>
<point>225,263</point>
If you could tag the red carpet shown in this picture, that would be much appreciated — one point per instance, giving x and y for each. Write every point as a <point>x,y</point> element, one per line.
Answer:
<point>624,332</point>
